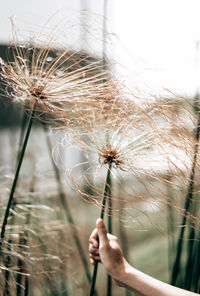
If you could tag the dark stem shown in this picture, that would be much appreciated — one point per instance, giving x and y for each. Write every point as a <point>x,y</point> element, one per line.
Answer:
<point>26,280</point>
<point>20,266</point>
<point>195,276</point>
<point>26,286</point>
<point>110,229</point>
<point>8,260</point>
<point>190,263</point>
<point>170,225</point>
<point>65,205</point>
<point>22,132</point>
<point>7,273</point>
<point>191,255</point>
<point>188,202</point>
<point>103,204</point>
<point>22,276</point>
<point>5,220</point>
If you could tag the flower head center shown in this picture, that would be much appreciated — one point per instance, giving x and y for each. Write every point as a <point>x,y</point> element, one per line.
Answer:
<point>38,92</point>
<point>107,155</point>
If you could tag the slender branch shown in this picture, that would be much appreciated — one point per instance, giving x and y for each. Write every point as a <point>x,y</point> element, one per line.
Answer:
<point>6,291</point>
<point>195,275</point>
<point>105,195</point>
<point>188,203</point>
<point>20,265</point>
<point>22,132</point>
<point>110,229</point>
<point>5,220</point>
<point>170,225</point>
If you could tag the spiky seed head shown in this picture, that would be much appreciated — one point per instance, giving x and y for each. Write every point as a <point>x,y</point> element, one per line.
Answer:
<point>38,92</point>
<point>107,155</point>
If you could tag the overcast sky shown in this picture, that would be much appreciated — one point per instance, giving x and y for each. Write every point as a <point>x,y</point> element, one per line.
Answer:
<point>159,36</point>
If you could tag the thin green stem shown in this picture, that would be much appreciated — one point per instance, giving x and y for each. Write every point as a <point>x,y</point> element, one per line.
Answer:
<point>5,220</point>
<point>195,275</point>
<point>22,132</point>
<point>8,259</point>
<point>170,225</point>
<point>103,204</point>
<point>188,202</point>
<point>190,264</point>
<point>110,230</point>
<point>26,280</point>
<point>6,291</point>
<point>20,265</point>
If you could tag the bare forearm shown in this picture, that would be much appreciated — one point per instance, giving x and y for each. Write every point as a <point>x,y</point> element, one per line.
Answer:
<point>144,285</point>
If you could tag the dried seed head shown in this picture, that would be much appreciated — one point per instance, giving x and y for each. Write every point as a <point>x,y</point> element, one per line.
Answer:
<point>107,155</point>
<point>38,92</point>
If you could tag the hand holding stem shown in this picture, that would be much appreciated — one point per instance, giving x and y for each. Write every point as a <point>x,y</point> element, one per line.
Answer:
<point>105,248</point>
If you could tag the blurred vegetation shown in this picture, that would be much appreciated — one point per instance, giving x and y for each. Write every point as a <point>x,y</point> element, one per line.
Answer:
<point>40,254</point>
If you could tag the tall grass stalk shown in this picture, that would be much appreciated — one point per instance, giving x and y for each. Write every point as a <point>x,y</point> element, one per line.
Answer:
<point>195,275</point>
<point>22,133</point>
<point>170,226</point>
<point>110,230</point>
<point>191,251</point>
<point>21,157</point>
<point>8,259</point>
<point>191,254</point>
<point>66,207</point>
<point>26,277</point>
<point>20,267</point>
<point>107,190</point>
<point>188,203</point>
<point>6,291</point>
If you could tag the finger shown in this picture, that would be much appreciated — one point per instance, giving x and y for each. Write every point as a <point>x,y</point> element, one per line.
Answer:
<point>102,231</point>
<point>95,257</point>
<point>94,261</point>
<point>93,250</point>
<point>94,242</point>
<point>94,234</point>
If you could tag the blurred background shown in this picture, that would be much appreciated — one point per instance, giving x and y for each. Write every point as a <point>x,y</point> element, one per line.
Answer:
<point>156,46</point>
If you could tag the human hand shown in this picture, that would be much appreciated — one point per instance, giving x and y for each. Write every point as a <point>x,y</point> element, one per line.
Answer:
<point>104,247</point>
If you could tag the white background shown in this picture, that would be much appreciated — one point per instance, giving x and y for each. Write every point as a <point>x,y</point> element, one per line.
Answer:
<point>161,35</point>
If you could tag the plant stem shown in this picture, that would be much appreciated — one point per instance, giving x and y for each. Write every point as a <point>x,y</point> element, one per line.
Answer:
<point>69,216</point>
<point>5,220</point>
<point>22,132</point>
<point>20,266</point>
<point>26,280</point>
<point>109,280</point>
<point>170,225</point>
<point>195,276</point>
<point>6,291</point>
<point>188,202</point>
<point>103,204</point>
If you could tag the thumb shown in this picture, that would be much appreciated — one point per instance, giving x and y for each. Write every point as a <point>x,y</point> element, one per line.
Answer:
<point>102,232</point>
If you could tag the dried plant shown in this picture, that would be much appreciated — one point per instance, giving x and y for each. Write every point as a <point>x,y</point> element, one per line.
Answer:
<point>113,146</point>
<point>54,82</point>
<point>52,85</point>
<point>125,141</point>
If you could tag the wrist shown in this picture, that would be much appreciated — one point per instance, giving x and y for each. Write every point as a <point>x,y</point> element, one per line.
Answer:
<point>123,272</point>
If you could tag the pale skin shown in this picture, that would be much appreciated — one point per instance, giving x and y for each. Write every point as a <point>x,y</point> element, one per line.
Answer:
<point>105,248</point>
